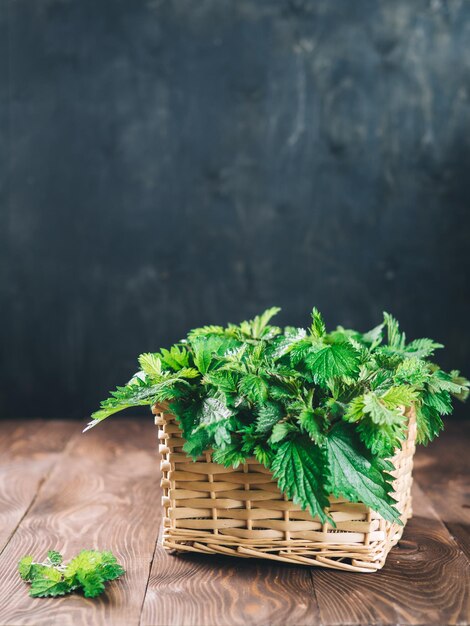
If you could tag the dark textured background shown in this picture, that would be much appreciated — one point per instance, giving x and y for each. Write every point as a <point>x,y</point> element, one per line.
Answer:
<point>166,164</point>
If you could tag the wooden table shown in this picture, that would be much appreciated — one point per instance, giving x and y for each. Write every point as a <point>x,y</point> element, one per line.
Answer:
<point>63,490</point>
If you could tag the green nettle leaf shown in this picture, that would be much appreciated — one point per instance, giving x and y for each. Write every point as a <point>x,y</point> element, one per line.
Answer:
<point>189,372</point>
<point>357,475</point>
<point>54,557</point>
<point>362,351</point>
<point>206,331</point>
<point>440,400</point>
<point>187,412</point>
<point>396,339</point>
<point>374,337</point>
<point>110,568</point>
<point>382,439</point>
<point>281,431</point>
<point>140,393</point>
<point>269,414</point>
<point>92,561</point>
<point>49,583</point>
<point>381,380</point>
<point>334,361</point>
<point>385,429</point>
<point>317,328</point>
<point>299,351</point>
<point>208,351</point>
<point>355,410</point>
<point>379,412</point>
<point>460,381</point>
<point>214,417</point>
<point>403,395</point>
<point>249,439</point>
<point>422,348</point>
<point>299,468</point>
<point>281,392</point>
<point>222,380</point>
<point>92,583</point>
<point>322,410</point>
<point>213,410</point>
<point>151,364</point>
<point>222,435</point>
<point>283,344</point>
<point>202,355</point>
<point>310,422</point>
<point>441,381</point>
<point>24,567</point>
<point>176,357</point>
<point>428,422</point>
<point>260,322</point>
<point>263,455</point>
<point>253,388</point>
<point>387,359</point>
<point>413,372</point>
<point>196,443</point>
<point>229,457</point>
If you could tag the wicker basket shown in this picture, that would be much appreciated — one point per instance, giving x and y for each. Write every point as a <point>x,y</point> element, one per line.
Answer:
<point>217,510</point>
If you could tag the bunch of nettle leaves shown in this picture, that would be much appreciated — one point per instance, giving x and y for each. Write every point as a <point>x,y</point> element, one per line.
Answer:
<point>87,572</point>
<point>323,411</point>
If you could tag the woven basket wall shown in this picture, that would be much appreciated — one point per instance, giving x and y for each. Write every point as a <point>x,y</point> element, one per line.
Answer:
<point>217,510</point>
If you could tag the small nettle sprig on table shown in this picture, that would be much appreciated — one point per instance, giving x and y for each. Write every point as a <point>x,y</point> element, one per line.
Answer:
<point>87,572</point>
<point>324,411</point>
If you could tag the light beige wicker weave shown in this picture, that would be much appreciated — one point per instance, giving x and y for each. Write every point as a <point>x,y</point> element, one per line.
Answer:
<point>217,510</point>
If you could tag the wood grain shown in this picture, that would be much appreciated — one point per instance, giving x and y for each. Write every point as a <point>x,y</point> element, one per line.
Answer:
<point>191,590</point>
<point>443,472</point>
<point>28,452</point>
<point>425,580</point>
<point>103,493</point>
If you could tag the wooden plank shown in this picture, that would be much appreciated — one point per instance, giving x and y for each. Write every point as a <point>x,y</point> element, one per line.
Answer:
<point>104,494</point>
<point>28,451</point>
<point>188,590</point>
<point>425,580</point>
<point>442,471</point>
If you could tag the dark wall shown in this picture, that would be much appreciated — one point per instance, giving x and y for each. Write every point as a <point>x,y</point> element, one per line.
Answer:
<point>166,164</point>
